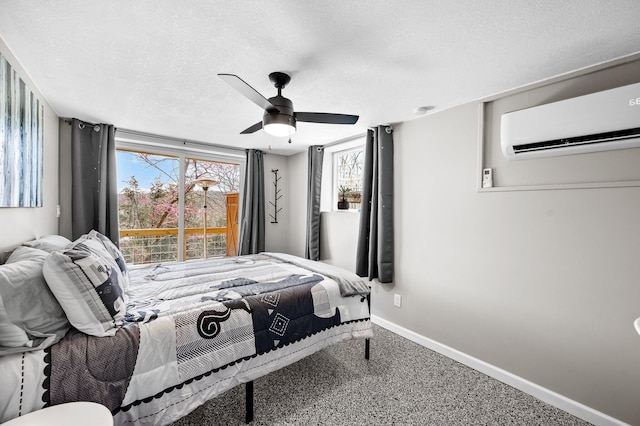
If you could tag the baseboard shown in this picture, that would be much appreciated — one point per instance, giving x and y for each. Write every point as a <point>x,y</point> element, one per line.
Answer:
<point>562,402</point>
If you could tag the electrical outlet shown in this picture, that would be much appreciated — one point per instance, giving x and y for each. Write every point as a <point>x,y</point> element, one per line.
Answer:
<point>397,300</point>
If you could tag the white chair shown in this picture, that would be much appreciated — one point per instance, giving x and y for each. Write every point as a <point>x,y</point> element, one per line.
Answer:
<point>73,413</point>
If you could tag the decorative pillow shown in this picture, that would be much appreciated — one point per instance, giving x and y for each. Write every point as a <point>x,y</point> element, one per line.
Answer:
<point>114,252</point>
<point>88,283</point>
<point>30,316</point>
<point>48,243</point>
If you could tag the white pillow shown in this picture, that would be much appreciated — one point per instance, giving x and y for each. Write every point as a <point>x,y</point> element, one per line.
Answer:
<point>48,243</point>
<point>4,255</point>
<point>11,336</point>
<point>30,316</point>
<point>89,285</point>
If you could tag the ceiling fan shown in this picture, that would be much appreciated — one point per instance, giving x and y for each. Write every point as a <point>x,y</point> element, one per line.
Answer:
<point>279,118</point>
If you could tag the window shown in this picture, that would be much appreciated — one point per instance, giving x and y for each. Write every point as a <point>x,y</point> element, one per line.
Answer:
<point>348,167</point>
<point>147,206</point>
<point>217,205</point>
<point>167,213</point>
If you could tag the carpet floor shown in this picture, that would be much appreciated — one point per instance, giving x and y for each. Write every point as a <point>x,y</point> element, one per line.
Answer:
<point>402,384</point>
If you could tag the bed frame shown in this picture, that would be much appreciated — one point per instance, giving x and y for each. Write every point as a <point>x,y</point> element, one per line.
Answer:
<point>249,385</point>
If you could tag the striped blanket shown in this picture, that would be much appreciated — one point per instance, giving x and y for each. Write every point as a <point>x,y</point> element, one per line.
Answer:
<point>192,331</point>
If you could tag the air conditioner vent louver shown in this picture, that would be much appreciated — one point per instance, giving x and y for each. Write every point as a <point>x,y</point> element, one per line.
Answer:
<point>600,121</point>
<point>617,135</point>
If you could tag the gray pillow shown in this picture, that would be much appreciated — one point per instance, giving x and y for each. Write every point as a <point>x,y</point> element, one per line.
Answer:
<point>114,251</point>
<point>48,243</point>
<point>30,316</point>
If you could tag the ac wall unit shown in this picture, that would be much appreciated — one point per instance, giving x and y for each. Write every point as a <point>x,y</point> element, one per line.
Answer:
<point>600,121</point>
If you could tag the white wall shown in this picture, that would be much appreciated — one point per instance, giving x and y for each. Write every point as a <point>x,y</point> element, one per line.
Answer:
<point>338,229</point>
<point>21,224</point>
<point>276,234</point>
<point>542,284</point>
<point>338,238</point>
<point>298,187</point>
<point>65,178</point>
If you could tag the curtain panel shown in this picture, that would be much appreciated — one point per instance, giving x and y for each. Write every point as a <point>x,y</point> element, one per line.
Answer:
<point>252,226</point>
<point>374,256</point>
<point>94,186</point>
<point>314,170</point>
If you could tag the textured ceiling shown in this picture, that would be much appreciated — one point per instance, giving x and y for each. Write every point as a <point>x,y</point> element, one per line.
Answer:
<point>151,65</point>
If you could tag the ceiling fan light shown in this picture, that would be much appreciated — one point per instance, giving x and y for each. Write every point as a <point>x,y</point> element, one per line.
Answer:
<point>279,125</point>
<point>280,130</point>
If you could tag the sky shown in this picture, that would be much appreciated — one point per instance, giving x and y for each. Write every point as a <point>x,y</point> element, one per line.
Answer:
<point>129,164</point>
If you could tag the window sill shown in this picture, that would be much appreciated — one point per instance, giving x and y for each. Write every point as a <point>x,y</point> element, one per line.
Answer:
<point>340,211</point>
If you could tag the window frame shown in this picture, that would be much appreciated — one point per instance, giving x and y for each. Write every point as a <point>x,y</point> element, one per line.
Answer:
<point>181,149</point>
<point>336,181</point>
<point>330,172</point>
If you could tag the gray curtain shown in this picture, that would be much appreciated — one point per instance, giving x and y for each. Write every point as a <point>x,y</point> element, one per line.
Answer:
<point>374,257</point>
<point>314,170</point>
<point>252,224</point>
<point>94,186</point>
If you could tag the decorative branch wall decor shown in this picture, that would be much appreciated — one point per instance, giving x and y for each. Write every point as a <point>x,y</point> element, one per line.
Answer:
<point>21,141</point>
<point>276,197</point>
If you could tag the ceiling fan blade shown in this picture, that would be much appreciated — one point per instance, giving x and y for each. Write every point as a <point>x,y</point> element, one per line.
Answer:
<point>249,92</point>
<point>325,117</point>
<point>252,129</point>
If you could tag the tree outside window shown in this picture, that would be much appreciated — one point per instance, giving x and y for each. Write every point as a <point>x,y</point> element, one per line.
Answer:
<point>348,168</point>
<point>149,206</point>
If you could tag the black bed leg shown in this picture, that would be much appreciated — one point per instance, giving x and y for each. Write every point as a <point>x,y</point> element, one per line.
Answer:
<point>367,341</point>
<point>249,401</point>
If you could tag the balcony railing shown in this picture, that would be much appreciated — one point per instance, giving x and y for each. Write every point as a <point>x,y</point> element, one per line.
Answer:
<point>158,245</point>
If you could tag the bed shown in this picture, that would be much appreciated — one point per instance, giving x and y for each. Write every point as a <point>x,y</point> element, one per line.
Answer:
<point>152,343</point>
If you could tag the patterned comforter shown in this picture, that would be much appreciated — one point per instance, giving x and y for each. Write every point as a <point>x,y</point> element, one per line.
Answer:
<point>193,330</point>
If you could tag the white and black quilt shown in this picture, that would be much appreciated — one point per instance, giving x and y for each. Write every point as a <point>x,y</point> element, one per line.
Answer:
<point>192,331</point>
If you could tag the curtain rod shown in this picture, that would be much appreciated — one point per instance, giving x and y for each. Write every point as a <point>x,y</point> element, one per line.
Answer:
<point>389,127</point>
<point>156,136</point>
<point>70,120</point>
<point>348,139</point>
<point>176,140</point>
<point>183,142</point>
<point>205,144</point>
<point>96,126</point>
